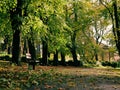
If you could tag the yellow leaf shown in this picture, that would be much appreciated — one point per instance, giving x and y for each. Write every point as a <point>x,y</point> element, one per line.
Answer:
<point>71,84</point>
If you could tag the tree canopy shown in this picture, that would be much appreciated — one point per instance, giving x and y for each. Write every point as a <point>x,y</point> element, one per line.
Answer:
<point>69,26</point>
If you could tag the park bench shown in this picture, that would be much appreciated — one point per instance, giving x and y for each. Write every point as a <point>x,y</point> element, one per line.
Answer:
<point>30,61</point>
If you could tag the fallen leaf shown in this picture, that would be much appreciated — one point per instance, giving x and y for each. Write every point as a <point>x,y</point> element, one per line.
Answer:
<point>48,86</point>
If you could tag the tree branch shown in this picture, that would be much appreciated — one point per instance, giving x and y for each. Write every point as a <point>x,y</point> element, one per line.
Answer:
<point>111,15</point>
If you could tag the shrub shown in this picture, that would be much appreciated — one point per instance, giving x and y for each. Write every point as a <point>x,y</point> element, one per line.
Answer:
<point>80,63</point>
<point>71,63</point>
<point>91,61</point>
<point>6,57</point>
<point>118,65</point>
<point>112,64</point>
<point>106,63</point>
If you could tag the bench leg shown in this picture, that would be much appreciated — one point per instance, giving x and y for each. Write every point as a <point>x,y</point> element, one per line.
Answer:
<point>31,65</point>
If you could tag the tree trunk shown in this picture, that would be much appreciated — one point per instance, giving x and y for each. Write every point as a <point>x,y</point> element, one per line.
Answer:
<point>44,52</point>
<point>63,58</point>
<point>117,25</point>
<point>9,49</point>
<point>73,38</point>
<point>74,55</point>
<point>73,49</point>
<point>25,47</point>
<point>97,40</point>
<point>32,52</point>
<point>16,23</point>
<point>55,63</point>
<point>32,49</point>
<point>96,56</point>
<point>16,48</point>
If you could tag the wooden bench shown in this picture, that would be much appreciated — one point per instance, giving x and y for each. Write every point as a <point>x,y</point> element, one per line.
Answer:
<point>30,61</point>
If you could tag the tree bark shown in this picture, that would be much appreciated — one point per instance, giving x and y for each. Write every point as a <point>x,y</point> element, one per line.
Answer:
<point>25,47</point>
<point>117,27</point>
<point>63,58</point>
<point>44,52</point>
<point>96,56</point>
<point>73,49</point>
<point>16,48</point>
<point>55,63</point>
<point>32,49</point>
<point>32,52</point>
<point>9,49</point>
<point>16,23</point>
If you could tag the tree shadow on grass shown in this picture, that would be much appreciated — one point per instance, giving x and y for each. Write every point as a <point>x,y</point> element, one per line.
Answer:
<point>56,79</point>
<point>88,82</point>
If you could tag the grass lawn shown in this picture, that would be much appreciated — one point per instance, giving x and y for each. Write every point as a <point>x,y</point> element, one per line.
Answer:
<point>58,78</point>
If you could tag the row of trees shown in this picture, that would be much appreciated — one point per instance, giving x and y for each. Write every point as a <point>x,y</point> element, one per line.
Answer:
<point>61,26</point>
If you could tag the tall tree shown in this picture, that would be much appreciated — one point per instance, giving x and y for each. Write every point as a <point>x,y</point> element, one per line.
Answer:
<point>15,17</point>
<point>100,25</point>
<point>78,19</point>
<point>71,20</point>
<point>5,24</point>
<point>31,45</point>
<point>112,7</point>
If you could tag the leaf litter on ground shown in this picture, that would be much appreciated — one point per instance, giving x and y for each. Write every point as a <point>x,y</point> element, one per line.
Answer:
<point>58,78</point>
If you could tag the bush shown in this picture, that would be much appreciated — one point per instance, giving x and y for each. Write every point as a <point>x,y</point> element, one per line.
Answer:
<point>71,63</point>
<point>80,63</point>
<point>6,57</point>
<point>106,63</point>
<point>118,64</point>
<point>112,64</point>
<point>91,61</point>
